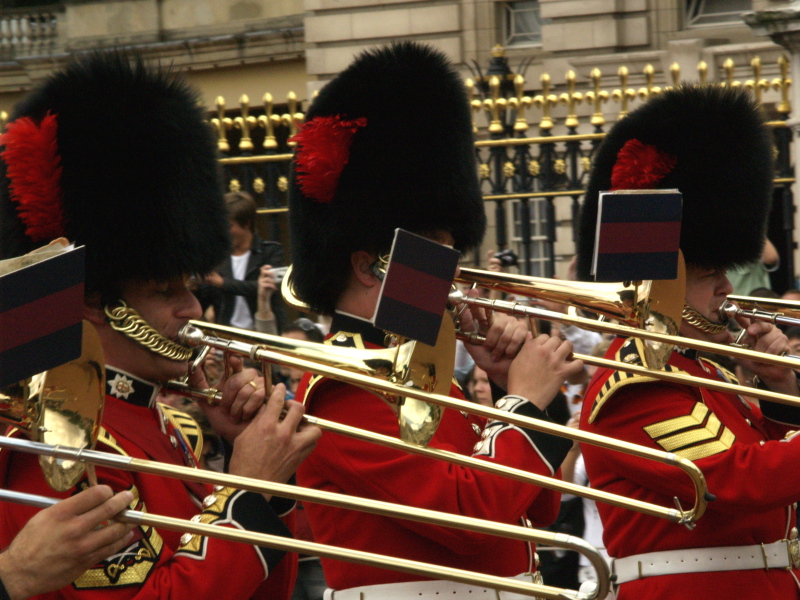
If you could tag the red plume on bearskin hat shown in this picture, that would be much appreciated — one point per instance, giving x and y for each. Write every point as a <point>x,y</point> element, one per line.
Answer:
<point>388,143</point>
<point>712,144</point>
<point>115,155</point>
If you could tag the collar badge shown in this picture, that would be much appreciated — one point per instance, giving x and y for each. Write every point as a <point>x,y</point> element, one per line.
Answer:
<point>121,386</point>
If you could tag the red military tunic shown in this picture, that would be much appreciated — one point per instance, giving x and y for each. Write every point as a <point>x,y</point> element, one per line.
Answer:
<point>346,465</point>
<point>748,465</point>
<point>161,564</point>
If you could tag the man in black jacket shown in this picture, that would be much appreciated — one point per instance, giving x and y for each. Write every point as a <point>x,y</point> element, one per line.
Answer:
<point>233,288</point>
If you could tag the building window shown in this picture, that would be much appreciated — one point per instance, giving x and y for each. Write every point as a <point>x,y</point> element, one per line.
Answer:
<point>714,12</point>
<point>522,24</point>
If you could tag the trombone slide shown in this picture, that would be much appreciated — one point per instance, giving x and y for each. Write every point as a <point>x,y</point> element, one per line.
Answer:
<point>192,334</point>
<point>340,500</point>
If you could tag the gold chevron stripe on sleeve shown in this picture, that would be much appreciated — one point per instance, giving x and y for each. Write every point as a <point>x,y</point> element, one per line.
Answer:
<point>694,436</point>
<point>663,428</point>
<point>709,449</point>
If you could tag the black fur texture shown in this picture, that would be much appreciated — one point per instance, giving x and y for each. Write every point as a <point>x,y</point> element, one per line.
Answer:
<point>412,166</point>
<point>724,171</point>
<point>141,181</point>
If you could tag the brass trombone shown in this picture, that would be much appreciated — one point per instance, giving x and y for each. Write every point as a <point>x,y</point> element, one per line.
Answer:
<point>525,534</point>
<point>323,360</point>
<point>61,406</point>
<point>524,286</point>
<point>772,310</point>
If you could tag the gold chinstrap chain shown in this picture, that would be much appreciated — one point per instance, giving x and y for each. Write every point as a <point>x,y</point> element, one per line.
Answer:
<point>128,322</point>
<point>698,321</point>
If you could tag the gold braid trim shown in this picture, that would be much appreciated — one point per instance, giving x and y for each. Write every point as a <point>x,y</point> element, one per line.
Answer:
<point>129,323</point>
<point>698,321</point>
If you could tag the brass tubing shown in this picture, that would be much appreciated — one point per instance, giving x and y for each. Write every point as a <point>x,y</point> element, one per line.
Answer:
<point>515,308</point>
<point>654,510</point>
<point>342,501</point>
<point>193,334</point>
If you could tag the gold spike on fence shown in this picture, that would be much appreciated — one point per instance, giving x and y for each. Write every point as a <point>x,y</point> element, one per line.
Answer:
<point>574,107</point>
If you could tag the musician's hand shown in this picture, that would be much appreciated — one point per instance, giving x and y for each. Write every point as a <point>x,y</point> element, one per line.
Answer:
<point>59,543</point>
<point>243,394</point>
<point>272,448</point>
<point>505,336</point>
<point>766,338</point>
<point>538,371</point>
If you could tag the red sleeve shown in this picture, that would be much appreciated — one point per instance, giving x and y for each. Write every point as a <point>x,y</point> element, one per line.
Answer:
<point>153,567</point>
<point>373,471</point>
<point>732,447</point>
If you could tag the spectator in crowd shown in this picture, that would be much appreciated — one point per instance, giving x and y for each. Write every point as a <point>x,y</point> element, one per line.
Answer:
<point>235,289</point>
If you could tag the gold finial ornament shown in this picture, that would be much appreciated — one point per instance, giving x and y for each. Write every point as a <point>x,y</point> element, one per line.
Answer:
<point>570,99</point>
<point>702,71</point>
<point>675,73</point>
<point>650,88</point>
<point>596,97</point>
<point>781,84</point>
<point>728,67</point>
<point>245,122</point>
<point>544,101</point>
<point>519,103</point>
<point>474,103</point>
<point>495,106</point>
<point>259,186</point>
<point>221,125</point>
<point>268,121</point>
<point>294,118</point>
<point>757,84</point>
<point>625,94</point>
<point>3,120</point>
<point>498,51</point>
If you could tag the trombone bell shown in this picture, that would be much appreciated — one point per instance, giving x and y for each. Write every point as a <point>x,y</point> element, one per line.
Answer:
<point>60,407</point>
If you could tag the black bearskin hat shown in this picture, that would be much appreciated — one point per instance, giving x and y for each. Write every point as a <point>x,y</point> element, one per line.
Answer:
<point>712,144</point>
<point>388,143</point>
<point>115,155</point>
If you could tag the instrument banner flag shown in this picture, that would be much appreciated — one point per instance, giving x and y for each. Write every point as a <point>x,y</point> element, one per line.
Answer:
<point>41,308</point>
<point>638,235</point>
<point>416,287</point>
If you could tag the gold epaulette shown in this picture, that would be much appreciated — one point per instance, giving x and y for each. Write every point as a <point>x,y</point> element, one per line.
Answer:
<point>629,353</point>
<point>188,427</point>
<point>342,339</point>
<point>105,438</point>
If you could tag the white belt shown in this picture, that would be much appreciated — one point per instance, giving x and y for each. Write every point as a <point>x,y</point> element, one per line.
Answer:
<point>424,590</point>
<point>783,554</point>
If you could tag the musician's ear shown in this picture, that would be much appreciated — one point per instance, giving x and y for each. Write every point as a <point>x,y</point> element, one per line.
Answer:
<point>362,262</point>
<point>93,310</point>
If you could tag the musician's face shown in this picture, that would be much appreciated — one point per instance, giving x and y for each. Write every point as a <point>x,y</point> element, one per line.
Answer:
<point>706,290</point>
<point>166,306</point>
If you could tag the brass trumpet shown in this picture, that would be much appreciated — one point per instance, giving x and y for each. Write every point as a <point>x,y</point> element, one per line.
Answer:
<point>273,349</point>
